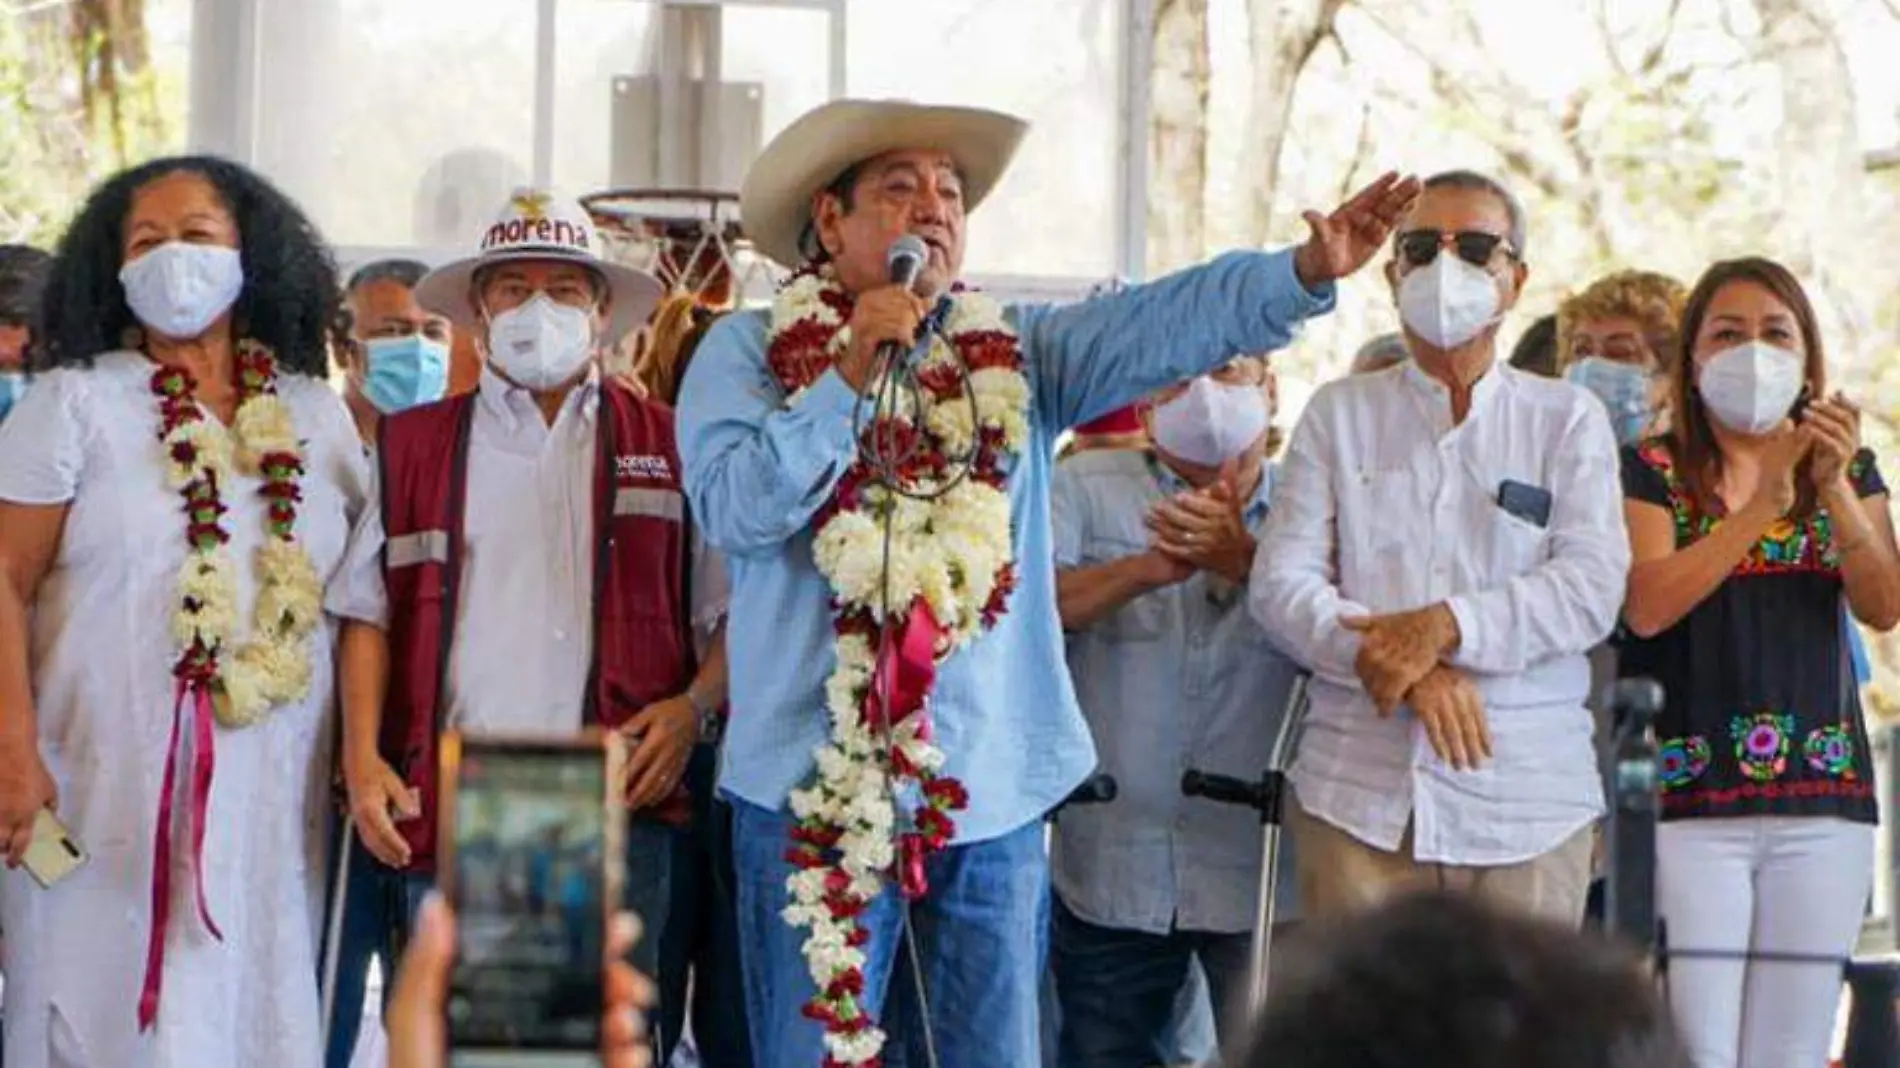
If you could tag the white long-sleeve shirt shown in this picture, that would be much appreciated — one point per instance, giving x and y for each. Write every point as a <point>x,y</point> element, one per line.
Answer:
<point>1384,504</point>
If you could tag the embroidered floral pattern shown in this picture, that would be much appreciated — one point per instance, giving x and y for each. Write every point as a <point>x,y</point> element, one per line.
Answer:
<point>1830,751</point>
<point>1762,742</point>
<point>1786,546</point>
<point>1682,761</point>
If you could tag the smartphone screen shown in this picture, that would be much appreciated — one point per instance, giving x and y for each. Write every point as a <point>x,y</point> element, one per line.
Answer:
<point>533,845</point>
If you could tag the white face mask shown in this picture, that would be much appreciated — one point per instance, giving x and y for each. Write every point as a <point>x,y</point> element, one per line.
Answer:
<point>1210,422</point>
<point>179,289</point>
<point>1448,302</point>
<point>541,345</point>
<point>1751,387</point>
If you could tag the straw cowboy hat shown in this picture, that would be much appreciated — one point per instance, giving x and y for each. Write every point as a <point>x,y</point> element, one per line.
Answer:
<point>776,199</point>
<point>537,225</point>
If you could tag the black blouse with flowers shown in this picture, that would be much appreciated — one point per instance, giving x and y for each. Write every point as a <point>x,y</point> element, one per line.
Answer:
<point>1761,715</point>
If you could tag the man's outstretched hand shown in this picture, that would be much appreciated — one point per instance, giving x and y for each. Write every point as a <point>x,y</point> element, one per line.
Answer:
<point>1347,239</point>
<point>418,1005</point>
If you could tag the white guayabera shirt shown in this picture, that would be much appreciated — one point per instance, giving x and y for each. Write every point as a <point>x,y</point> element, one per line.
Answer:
<point>1384,505</point>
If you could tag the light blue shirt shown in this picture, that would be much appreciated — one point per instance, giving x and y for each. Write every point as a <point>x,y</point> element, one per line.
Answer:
<point>758,469</point>
<point>1178,678</point>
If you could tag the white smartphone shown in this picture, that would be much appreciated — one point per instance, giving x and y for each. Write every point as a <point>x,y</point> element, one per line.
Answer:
<point>54,853</point>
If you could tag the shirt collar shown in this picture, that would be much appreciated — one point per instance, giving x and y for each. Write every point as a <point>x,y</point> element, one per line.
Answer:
<point>1435,396</point>
<point>510,403</point>
<point>1172,484</point>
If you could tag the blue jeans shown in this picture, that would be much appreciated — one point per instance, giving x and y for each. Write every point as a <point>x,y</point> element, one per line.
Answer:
<point>649,888</point>
<point>982,935</point>
<point>1119,990</point>
<point>700,945</point>
<point>379,903</point>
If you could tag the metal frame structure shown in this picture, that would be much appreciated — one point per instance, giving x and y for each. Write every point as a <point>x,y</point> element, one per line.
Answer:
<point>226,79</point>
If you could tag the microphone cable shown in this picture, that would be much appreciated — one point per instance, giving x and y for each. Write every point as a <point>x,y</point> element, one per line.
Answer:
<point>897,394</point>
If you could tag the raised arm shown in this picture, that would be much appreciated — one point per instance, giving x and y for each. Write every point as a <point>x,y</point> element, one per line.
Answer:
<point>757,467</point>
<point>1568,603</point>
<point>1294,593</point>
<point>1090,358</point>
<point>1102,354</point>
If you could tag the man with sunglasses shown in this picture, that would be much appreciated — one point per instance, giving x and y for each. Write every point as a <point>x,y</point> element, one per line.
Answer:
<point>1445,547</point>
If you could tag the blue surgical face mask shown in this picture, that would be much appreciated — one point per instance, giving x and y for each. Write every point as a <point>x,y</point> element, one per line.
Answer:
<point>1624,390</point>
<point>12,388</point>
<point>405,371</point>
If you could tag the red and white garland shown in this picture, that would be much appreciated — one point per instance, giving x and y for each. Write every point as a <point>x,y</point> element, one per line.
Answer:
<point>273,668</point>
<point>950,576</point>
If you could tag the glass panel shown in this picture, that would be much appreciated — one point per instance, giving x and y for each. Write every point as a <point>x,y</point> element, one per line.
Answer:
<point>1055,63</point>
<point>397,123</point>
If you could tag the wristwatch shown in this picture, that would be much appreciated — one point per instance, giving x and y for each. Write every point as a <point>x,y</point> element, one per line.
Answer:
<point>712,725</point>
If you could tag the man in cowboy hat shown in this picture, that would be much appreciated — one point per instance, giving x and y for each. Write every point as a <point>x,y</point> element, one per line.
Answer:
<point>767,419</point>
<point>531,567</point>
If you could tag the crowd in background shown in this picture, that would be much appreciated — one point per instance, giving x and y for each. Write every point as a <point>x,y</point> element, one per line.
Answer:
<point>1722,530</point>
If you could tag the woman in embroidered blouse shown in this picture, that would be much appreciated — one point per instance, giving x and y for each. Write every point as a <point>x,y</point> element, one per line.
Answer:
<point>172,501</point>
<point>1750,522</point>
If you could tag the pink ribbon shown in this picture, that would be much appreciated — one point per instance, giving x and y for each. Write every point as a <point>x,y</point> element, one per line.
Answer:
<point>906,670</point>
<point>203,762</point>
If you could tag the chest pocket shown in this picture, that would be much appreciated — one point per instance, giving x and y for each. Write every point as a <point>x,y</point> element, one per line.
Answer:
<point>1143,619</point>
<point>1517,545</point>
<point>1372,537</point>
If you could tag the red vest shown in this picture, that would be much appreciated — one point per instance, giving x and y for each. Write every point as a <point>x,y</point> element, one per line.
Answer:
<point>643,649</point>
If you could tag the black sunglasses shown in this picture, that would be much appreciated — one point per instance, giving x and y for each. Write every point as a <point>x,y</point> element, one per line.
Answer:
<point>1476,247</point>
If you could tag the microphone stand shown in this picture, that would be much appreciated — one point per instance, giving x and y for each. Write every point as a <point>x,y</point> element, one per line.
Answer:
<point>1630,900</point>
<point>1267,797</point>
<point>1098,789</point>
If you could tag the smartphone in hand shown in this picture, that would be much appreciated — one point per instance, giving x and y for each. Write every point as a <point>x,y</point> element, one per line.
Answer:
<point>54,853</point>
<point>531,858</point>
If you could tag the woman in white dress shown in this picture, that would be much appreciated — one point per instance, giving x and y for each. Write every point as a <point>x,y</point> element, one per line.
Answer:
<point>175,492</point>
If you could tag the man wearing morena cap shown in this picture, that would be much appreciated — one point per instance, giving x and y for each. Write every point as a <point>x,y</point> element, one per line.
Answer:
<point>939,789</point>
<point>531,567</point>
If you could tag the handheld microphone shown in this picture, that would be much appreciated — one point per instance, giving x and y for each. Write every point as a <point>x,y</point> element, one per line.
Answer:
<point>904,262</point>
<point>906,259</point>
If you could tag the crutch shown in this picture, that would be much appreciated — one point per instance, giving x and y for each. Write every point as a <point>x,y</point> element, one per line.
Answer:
<point>333,926</point>
<point>1267,797</point>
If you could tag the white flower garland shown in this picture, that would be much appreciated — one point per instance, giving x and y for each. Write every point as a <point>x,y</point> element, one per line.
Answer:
<point>273,668</point>
<point>951,551</point>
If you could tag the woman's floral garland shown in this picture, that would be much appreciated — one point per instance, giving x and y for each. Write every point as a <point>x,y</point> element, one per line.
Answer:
<point>950,576</point>
<point>235,685</point>
<point>273,668</point>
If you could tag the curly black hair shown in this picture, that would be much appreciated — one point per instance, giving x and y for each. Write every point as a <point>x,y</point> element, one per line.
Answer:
<point>291,299</point>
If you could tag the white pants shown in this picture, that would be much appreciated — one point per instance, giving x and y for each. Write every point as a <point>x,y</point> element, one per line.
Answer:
<point>1773,885</point>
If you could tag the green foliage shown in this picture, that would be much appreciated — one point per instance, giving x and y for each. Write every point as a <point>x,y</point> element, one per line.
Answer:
<point>57,145</point>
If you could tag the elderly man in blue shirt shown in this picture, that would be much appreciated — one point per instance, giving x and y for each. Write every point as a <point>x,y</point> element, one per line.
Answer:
<point>1153,553</point>
<point>904,716</point>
